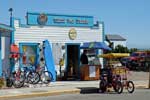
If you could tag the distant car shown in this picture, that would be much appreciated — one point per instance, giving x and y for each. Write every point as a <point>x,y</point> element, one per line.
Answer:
<point>124,61</point>
<point>136,60</point>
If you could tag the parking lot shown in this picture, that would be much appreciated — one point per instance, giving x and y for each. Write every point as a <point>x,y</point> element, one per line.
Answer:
<point>138,75</point>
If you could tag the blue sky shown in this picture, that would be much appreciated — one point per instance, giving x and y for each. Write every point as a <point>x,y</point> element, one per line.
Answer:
<point>129,18</point>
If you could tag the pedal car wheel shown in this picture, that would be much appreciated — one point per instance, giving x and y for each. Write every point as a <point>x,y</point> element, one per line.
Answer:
<point>130,86</point>
<point>103,86</point>
<point>118,87</point>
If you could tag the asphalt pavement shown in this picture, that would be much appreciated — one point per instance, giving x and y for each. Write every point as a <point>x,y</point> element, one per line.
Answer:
<point>139,94</point>
<point>64,87</point>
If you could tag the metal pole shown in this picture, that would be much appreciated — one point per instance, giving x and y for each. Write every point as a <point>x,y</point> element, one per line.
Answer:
<point>10,10</point>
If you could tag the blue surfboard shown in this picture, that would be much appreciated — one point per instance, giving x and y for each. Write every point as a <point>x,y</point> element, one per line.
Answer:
<point>49,61</point>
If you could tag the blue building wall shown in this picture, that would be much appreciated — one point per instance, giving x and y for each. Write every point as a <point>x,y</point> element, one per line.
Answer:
<point>4,29</point>
<point>0,58</point>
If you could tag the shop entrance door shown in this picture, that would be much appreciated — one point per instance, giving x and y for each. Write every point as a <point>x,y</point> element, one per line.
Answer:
<point>73,52</point>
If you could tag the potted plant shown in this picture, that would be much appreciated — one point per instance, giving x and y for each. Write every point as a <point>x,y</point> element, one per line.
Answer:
<point>1,82</point>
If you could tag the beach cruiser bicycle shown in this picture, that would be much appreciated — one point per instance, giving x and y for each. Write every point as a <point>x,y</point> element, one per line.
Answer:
<point>30,74</point>
<point>45,76</point>
<point>19,77</point>
<point>15,79</point>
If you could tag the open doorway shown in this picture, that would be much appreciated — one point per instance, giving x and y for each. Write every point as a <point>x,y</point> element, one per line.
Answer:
<point>73,52</point>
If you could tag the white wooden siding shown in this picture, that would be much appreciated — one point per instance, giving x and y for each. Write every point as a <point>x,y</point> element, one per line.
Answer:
<point>37,34</point>
<point>56,34</point>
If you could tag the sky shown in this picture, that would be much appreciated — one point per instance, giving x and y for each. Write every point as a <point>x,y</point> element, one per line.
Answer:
<point>129,18</point>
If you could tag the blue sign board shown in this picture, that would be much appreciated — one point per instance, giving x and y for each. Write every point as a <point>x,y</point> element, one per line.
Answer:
<point>59,20</point>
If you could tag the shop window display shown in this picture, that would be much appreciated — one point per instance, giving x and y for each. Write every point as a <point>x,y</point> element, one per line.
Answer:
<point>92,57</point>
<point>29,55</point>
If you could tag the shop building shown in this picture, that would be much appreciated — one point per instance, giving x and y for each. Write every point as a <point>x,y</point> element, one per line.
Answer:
<point>66,33</point>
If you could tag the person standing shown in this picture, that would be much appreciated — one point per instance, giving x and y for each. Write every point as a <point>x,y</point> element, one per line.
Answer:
<point>84,58</point>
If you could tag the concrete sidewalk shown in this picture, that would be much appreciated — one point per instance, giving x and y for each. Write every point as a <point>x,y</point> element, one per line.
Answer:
<point>55,88</point>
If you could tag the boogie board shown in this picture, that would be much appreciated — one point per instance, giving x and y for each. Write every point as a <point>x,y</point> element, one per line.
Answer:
<point>41,56</point>
<point>49,61</point>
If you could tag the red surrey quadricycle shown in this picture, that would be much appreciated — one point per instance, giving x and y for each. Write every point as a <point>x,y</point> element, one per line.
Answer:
<point>115,75</point>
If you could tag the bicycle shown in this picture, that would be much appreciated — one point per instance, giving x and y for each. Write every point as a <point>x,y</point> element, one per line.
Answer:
<point>45,76</point>
<point>30,74</point>
<point>15,79</point>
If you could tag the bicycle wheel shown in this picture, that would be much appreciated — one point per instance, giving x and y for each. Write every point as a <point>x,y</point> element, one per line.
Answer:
<point>130,86</point>
<point>33,77</point>
<point>46,77</point>
<point>18,83</point>
<point>118,87</point>
<point>9,82</point>
<point>18,80</point>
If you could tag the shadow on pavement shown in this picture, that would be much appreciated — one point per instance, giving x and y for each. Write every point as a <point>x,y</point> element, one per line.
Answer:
<point>93,90</point>
<point>88,90</point>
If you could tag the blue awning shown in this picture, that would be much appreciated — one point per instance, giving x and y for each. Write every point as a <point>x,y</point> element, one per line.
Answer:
<point>95,45</point>
<point>6,27</point>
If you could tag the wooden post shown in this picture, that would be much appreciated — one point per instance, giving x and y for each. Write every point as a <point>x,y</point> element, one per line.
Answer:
<point>149,75</point>
<point>148,64</point>
<point>60,71</point>
<point>148,61</point>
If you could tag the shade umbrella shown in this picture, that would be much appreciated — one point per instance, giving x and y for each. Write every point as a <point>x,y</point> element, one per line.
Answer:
<point>95,45</point>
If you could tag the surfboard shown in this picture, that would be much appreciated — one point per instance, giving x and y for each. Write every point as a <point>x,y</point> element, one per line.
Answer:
<point>49,60</point>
